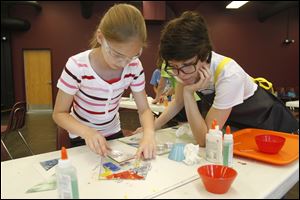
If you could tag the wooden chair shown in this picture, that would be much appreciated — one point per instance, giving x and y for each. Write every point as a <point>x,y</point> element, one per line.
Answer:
<point>5,155</point>
<point>62,139</point>
<point>16,122</point>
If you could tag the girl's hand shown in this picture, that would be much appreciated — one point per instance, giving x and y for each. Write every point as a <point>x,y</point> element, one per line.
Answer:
<point>205,76</point>
<point>155,101</point>
<point>97,143</point>
<point>158,100</point>
<point>147,148</point>
<point>138,130</point>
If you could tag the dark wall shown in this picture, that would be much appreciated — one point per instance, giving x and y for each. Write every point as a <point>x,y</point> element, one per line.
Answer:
<point>256,46</point>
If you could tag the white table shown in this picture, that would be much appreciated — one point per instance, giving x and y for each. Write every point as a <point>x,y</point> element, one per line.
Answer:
<point>166,179</point>
<point>130,104</point>
<point>292,104</point>
<point>255,180</point>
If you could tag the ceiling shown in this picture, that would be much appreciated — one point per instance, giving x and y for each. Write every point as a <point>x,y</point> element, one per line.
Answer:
<point>263,9</point>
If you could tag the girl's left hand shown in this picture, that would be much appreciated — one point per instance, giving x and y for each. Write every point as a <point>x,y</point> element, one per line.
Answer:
<point>205,76</point>
<point>147,148</point>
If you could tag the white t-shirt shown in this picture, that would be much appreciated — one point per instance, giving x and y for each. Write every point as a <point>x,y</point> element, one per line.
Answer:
<point>96,102</point>
<point>233,84</point>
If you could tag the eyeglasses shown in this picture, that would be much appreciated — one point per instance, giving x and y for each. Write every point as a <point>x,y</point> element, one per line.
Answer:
<point>119,58</point>
<point>186,69</point>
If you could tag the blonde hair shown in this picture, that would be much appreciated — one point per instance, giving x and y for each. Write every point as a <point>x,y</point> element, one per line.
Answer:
<point>121,23</point>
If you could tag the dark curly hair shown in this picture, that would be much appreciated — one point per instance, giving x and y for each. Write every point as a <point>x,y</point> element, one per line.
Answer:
<point>184,37</point>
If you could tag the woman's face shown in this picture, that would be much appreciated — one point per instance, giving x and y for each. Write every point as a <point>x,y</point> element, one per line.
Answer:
<point>186,72</point>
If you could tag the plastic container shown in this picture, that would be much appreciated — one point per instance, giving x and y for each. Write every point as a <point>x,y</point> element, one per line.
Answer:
<point>213,146</point>
<point>228,148</point>
<point>66,177</point>
<point>268,143</point>
<point>177,152</point>
<point>217,178</point>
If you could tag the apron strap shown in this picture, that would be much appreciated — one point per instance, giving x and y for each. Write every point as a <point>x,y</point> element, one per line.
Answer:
<point>262,82</point>
<point>220,68</point>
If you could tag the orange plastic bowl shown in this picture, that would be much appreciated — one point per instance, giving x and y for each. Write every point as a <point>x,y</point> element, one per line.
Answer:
<point>268,143</point>
<point>217,178</point>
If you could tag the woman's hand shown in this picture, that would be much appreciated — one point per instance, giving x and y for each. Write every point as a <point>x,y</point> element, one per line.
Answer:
<point>205,76</point>
<point>96,142</point>
<point>147,148</point>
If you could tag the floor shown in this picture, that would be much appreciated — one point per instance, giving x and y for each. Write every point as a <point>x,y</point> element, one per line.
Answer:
<point>40,133</point>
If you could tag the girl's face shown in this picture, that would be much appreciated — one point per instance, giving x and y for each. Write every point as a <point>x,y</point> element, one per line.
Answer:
<point>186,72</point>
<point>118,55</point>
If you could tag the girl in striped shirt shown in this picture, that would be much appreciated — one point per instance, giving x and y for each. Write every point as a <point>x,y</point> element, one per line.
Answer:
<point>93,81</point>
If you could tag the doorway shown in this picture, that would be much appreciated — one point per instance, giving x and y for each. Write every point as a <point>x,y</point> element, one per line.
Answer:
<point>38,82</point>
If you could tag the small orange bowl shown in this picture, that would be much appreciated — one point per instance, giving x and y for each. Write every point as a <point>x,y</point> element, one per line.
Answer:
<point>268,143</point>
<point>217,178</point>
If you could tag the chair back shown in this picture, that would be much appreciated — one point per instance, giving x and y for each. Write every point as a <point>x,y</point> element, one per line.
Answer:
<point>4,154</point>
<point>62,138</point>
<point>17,116</point>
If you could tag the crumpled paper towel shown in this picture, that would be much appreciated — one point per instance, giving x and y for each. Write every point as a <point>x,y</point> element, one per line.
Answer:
<point>191,153</point>
<point>184,129</point>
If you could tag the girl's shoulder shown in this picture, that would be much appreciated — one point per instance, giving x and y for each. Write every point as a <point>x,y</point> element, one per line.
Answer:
<point>82,56</point>
<point>78,63</point>
<point>81,60</point>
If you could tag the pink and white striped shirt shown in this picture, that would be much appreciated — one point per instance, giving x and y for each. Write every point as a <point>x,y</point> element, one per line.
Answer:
<point>96,102</point>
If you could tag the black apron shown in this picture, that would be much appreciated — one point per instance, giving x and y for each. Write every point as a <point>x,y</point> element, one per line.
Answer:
<point>262,110</point>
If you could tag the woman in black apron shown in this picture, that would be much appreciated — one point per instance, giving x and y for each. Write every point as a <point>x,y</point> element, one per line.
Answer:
<point>263,110</point>
<point>230,96</point>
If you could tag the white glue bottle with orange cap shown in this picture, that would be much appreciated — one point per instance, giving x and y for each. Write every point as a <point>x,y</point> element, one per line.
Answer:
<point>213,146</point>
<point>66,178</point>
<point>228,148</point>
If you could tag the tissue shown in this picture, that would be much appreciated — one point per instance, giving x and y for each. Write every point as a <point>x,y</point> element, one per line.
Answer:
<point>184,129</point>
<point>191,153</point>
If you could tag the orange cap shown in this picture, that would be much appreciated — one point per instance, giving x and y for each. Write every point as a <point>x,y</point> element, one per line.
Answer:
<point>214,123</point>
<point>228,131</point>
<point>64,155</point>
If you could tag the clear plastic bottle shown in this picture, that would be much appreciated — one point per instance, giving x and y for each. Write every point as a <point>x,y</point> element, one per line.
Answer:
<point>66,178</point>
<point>228,148</point>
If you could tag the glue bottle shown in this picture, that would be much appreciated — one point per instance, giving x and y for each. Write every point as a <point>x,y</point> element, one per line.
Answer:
<point>66,178</point>
<point>228,148</point>
<point>214,145</point>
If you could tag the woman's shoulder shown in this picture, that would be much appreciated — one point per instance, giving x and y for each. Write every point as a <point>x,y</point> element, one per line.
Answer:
<point>217,59</point>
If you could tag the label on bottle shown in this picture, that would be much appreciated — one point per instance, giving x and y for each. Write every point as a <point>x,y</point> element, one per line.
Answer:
<point>227,154</point>
<point>213,150</point>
